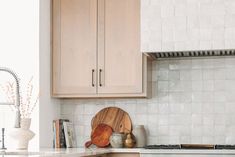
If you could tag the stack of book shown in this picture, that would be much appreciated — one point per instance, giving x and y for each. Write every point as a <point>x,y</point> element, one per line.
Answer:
<point>63,132</point>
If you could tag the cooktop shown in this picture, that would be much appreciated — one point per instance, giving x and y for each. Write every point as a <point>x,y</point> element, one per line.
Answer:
<point>190,146</point>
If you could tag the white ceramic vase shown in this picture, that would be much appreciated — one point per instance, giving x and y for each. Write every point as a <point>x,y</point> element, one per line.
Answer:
<point>140,136</point>
<point>23,135</point>
<point>116,140</point>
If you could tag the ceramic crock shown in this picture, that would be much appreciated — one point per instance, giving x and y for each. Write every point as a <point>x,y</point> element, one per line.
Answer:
<point>140,136</point>
<point>116,140</point>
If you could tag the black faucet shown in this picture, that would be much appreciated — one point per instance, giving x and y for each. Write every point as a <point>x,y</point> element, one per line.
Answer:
<point>3,139</point>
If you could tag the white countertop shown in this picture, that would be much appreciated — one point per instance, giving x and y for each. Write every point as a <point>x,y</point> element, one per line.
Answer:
<point>81,152</point>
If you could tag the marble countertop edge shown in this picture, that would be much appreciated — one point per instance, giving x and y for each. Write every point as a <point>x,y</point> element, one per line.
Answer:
<point>76,152</point>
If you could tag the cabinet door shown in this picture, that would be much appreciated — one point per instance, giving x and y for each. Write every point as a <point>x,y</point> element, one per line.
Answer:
<point>119,59</point>
<point>74,47</point>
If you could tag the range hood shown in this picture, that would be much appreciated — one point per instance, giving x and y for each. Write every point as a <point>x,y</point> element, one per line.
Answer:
<point>198,53</point>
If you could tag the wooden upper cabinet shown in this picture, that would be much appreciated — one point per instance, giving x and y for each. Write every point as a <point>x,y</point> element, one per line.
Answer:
<point>119,57</point>
<point>96,49</point>
<point>74,46</point>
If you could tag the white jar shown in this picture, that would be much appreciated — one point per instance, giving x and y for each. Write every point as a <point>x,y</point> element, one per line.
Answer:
<point>116,140</point>
<point>140,136</point>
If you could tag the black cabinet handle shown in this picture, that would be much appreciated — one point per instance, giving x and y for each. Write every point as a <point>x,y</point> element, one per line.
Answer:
<point>93,84</point>
<point>100,81</point>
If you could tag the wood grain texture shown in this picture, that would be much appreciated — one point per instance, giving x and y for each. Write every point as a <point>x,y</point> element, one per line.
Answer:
<point>197,146</point>
<point>119,55</point>
<point>147,87</point>
<point>101,134</point>
<point>115,117</point>
<point>74,46</point>
<point>89,35</point>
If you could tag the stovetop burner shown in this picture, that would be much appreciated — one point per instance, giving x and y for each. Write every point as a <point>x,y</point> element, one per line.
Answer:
<point>163,147</point>
<point>224,146</point>
<point>190,146</point>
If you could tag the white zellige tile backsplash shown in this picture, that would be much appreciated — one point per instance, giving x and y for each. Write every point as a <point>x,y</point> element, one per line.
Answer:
<point>193,102</point>
<point>180,25</point>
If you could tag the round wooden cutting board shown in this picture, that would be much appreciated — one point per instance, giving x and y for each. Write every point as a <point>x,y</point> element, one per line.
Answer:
<point>100,136</point>
<point>115,117</point>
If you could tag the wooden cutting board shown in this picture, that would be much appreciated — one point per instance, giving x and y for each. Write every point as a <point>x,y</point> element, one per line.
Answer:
<point>118,119</point>
<point>100,136</point>
<point>197,146</point>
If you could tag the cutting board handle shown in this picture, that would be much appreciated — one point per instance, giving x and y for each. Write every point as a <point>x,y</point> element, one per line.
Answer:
<point>88,144</point>
<point>92,120</point>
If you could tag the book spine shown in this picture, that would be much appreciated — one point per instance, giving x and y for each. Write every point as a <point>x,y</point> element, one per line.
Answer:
<point>57,123</point>
<point>66,134</point>
<point>59,134</point>
<point>62,133</point>
<point>54,134</point>
<point>62,142</point>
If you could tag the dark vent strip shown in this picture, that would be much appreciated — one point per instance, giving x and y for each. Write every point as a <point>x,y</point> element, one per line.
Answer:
<point>201,53</point>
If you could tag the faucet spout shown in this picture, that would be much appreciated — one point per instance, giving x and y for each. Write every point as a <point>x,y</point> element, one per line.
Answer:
<point>17,99</point>
<point>3,139</point>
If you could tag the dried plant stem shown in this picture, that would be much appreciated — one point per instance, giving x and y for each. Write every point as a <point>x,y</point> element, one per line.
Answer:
<point>28,103</point>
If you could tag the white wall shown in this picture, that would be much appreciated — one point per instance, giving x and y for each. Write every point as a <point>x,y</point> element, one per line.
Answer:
<point>49,108</point>
<point>19,50</point>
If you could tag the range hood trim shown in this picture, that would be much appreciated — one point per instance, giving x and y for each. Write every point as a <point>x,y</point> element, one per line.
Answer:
<point>194,53</point>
